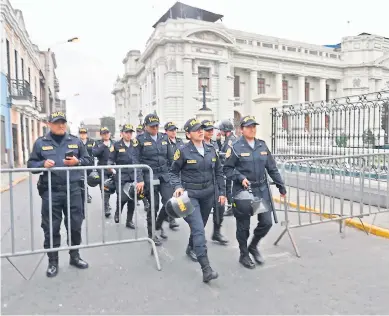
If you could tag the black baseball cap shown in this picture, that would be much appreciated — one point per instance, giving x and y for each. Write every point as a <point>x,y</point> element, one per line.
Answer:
<point>127,128</point>
<point>208,125</point>
<point>139,127</point>
<point>151,120</point>
<point>82,130</point>
<point>193,125</point>
<point>170,126</point>
<point>247,121</point>
<point>104,130</point>
<point>57,116</point>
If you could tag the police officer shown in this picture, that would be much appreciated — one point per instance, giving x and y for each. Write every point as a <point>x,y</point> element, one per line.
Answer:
<point>60,149</point>
<point>174,143</point>
<point>246,164</point>
<point>139,130</point>
<point>197,169</point>
<point>152,150</point>
<point>218,209</point>
<point>122,154</point>
<point>101,151</point>
<point>226,130</point>
<point>89,143</point>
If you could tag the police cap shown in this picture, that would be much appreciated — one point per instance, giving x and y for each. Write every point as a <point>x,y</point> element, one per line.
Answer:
<point>57,116</point>
<point>127,128</point>
<point>170,126</point>
<point>82,130</point>
<point>151,120</point>
<point>192,125</point>
<point>208,125</point>
<point>139,127</point>
<point>104,130</point>
<point>247,121</point>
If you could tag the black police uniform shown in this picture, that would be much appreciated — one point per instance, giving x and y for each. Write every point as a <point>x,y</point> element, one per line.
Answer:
<point>229,140</point>
<point>154,154</point>
<point>201,176</point>
<point>173,145</point>
<point>55,147</point>
<point>89,143</point>
<point>218,209</point>
<point>101,152</point>
<point>245,162</point>
<point>122,154</point>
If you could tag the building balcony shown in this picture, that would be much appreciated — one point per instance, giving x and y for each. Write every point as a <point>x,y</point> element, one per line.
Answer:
<point>21,96</point>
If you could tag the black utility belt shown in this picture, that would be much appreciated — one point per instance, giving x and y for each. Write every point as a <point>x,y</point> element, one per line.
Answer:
<point>196,186</point>
<point>57,187</point>
<point>257,184</point>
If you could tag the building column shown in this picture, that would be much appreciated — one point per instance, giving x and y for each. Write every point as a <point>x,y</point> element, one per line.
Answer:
<point>339,89</point>
<point>160,78</point>
<point>322,89</point>
<point>30,135</point>
<point>253,91</point>
<point>222,112</point>
<point>188,98</point>
<point>301,89</point>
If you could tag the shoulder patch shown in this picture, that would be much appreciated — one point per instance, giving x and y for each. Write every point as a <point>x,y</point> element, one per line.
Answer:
<point>177,155</point>
<point>228,152</point>
<point>134,142</point>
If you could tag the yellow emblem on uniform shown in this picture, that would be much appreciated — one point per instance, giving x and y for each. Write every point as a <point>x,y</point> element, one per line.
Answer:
<point>47,147</point>
<point>73,146</point>
<point>228,153</point>
<point>191,161</point>
<point>213,159</point>
<point>177,155</point>
<point>134,142</point>
<point>245,154</point>
<point>181,205</point>
<point>263,153</point>
<point>90,145</point>
<point>148,144</point>
<point>122,150</point>
<point>111,149</point>
<point>164,143</point>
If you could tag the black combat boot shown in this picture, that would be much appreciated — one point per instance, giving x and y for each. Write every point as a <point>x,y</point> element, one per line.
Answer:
<point>217,236</point>
<point>130,215</point>
<point>116,217</point>
<point>253,249</point>
<point>75,260</point>
<point>172,223</point>
<point>208,273</point>
<point>246,261</point>
<point>191,254</point>
<point>162,233</point>
<point>52,268</point>
<point>156,240</point>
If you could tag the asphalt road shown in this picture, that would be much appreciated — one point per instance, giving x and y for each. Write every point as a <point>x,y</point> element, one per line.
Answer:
<point>336,275</point>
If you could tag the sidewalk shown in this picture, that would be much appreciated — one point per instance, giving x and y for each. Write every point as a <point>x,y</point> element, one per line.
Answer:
<point>17,177</point>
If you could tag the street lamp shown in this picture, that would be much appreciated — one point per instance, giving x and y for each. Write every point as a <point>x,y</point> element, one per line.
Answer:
<point>204,84</point>
<point>140,116</point>
<point>70,40</point>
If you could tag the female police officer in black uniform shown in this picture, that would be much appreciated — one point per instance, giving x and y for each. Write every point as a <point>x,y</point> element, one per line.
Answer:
<point>196,168</point>
<point>121,153</point>
<point>246,164</point>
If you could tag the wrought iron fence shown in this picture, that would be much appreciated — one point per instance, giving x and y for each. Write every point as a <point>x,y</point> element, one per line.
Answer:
<point>343,126</point>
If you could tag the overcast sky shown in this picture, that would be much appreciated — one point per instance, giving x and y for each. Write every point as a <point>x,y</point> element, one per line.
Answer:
<point>109,29</point>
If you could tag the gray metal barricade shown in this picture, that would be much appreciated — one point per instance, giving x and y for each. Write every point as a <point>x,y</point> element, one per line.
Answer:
<point>87,243</point>
<point>334,189</point>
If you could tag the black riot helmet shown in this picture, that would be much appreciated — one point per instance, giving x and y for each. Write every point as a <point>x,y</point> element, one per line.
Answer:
<point>93,178</point>
<point>179,207</point>
<point>245,203</point>
<point>225,126</point>
<point>109,186</point>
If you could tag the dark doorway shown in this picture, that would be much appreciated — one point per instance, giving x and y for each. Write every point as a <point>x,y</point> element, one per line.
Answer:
<point>15,143</point>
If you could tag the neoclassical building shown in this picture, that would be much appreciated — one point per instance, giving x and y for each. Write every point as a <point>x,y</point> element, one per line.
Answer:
<point>248,73</point>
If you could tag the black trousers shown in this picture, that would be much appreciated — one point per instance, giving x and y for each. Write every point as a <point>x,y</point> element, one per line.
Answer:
<point>197,221</point>
<point>229,191</point>
<point>106,195</point>
<point>130,205</point>
<point>59,207</point>
<point>218,209</point>
<point>166,191</point>
<point>265,222</point>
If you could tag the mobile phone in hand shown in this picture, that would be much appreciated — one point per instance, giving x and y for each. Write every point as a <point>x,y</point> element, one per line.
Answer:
<point>69,154</point>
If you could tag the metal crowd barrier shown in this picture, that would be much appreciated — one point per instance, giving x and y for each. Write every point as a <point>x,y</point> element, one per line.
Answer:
<point>86,228</point>
<point>334,189</point>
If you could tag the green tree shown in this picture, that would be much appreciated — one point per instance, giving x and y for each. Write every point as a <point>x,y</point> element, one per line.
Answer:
<point>341,140</point>
<point>368,138</point>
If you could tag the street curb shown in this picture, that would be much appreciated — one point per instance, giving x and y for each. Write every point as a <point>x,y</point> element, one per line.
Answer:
<point>372,229</point>
<point>17,181</point>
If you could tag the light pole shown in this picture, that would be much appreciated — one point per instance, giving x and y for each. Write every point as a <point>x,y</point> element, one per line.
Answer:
<point>140,117</point>
<point>204,84</point>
